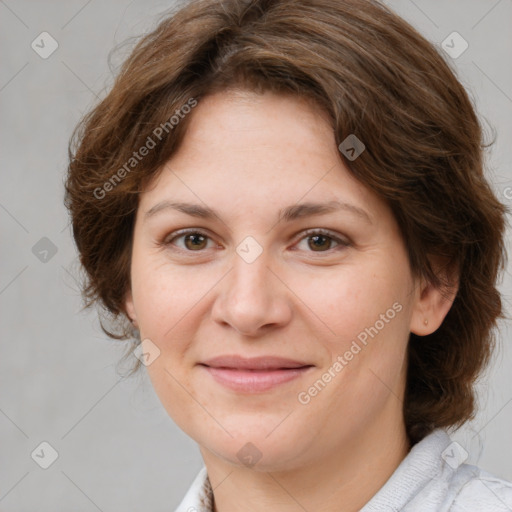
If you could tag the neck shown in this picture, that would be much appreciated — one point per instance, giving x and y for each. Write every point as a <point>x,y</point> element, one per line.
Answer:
<point>342,479</point>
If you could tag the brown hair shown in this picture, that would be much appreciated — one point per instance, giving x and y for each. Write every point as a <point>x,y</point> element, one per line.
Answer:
<point>377,78</point>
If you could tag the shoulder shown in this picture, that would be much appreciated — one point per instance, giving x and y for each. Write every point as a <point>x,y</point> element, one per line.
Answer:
<point>476,489</point>
<point>434,477</point>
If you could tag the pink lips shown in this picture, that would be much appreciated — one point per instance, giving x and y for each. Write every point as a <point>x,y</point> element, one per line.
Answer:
<point>256,374</point>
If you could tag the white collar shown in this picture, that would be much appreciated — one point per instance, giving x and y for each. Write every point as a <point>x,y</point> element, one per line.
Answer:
<point>199,497</point>
<point>424,471</point>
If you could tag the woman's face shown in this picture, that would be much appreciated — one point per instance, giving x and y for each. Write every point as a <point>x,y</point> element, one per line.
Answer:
<point>262,273</point>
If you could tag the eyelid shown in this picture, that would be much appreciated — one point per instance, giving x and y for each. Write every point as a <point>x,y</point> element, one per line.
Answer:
<point>325,232</point>
<point>301,235</point>
<point>166,241</point>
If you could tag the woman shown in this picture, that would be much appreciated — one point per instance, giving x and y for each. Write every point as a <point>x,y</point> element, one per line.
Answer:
<point>279,197</point>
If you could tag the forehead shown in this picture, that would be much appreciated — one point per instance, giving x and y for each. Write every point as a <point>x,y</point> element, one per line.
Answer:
<point>240,120</point>
<point>254,151</point>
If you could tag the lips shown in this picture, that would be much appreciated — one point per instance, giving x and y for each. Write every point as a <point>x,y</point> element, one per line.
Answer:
<point>254,375</point>
<point>253,363</point>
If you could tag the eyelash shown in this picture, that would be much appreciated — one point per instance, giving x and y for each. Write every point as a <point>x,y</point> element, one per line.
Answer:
<point>308,233</point>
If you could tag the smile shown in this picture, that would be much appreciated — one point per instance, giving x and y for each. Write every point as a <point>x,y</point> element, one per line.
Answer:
<point>253,381</point>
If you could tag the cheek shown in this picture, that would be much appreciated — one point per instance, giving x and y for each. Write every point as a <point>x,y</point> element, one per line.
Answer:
<point>165,294</point>
<point>365,316</point>
<point>348,301</point>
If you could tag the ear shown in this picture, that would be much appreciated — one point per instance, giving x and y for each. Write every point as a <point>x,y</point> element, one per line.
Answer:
<point>432,304</point>
<point>130,308</point>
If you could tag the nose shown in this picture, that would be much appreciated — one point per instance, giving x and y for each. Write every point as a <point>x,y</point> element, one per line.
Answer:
<point>252,298</point>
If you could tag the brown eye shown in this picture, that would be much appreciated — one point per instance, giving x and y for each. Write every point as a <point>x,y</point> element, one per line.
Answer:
<point>322,241</point>
<point>193,241</point>
<point>319,242</point>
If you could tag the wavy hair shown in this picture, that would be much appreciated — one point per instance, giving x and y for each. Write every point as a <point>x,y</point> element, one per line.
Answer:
<point>376,77</point>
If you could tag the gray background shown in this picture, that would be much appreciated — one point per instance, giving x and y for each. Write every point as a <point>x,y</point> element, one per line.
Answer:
<point>118,449</point>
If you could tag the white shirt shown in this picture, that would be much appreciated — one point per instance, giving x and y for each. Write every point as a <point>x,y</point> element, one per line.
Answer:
<point>431,478</point>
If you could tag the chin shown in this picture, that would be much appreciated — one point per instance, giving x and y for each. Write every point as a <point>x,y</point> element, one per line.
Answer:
<point>254,449</point>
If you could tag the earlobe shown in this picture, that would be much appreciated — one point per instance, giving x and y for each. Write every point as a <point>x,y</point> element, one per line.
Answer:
<point>433,304</point>
<point>130,309</point>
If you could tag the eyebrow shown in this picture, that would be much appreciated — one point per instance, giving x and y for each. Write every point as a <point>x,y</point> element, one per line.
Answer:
<point>287,214</point>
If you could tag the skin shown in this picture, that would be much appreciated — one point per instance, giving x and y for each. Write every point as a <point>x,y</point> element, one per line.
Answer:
<point>246,156</point>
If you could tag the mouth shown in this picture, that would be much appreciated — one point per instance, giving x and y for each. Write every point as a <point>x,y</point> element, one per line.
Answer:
<point>253,375</point>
